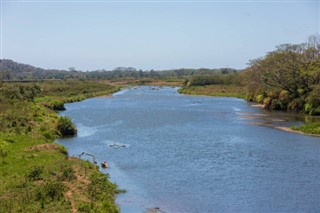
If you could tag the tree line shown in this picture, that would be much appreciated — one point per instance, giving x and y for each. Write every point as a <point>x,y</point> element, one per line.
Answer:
<point>14,71</point>
<point>287,78</point>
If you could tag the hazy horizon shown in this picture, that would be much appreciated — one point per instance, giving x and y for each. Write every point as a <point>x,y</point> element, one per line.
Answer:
<point>151,35</point>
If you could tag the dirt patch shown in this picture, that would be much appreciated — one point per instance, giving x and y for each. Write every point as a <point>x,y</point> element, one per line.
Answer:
<point>75,189</point>
<point>69,196</point>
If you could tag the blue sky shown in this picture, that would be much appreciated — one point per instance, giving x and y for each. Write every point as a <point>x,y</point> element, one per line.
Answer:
<point>151,35</point>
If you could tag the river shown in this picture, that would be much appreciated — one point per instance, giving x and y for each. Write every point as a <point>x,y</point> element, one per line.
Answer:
<point>193,154</point>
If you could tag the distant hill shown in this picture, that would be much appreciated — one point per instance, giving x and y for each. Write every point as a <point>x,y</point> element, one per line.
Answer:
<point>11,70</point>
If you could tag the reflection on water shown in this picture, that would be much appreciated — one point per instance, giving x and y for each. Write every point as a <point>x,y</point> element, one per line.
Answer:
<point>197,154</point>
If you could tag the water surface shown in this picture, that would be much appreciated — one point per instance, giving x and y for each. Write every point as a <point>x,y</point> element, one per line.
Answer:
<point>196,153</point>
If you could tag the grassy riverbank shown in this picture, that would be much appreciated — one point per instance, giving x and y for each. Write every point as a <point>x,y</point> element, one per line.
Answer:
<point>36,174</point>
<point>215,90</point>
<point>309,128</point>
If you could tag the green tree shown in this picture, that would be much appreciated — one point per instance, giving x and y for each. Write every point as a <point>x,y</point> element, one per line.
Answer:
<point>286,77</point>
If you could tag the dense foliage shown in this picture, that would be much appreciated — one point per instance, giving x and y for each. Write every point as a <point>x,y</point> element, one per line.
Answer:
<point>226,79</point>
<point>56,105</point>
<point>287,78</point>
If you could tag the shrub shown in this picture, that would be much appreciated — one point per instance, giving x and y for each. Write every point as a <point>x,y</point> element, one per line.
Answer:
<point>51,190</point>
<point>100,187</point>
<point>296,104</point>
<point>259,98</point>
<point>47,134</point>
<point>84,207</point>
<point>67,173</point>
<point>313,102</point>
<point>66,127</point>
<point>275,104</point>
<point>267,102</point>
<point>35,174</point>
<point>57,105</point>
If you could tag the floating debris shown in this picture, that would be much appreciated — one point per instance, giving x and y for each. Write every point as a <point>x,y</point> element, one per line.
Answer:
<point>154,210</point>
<point>93,157</point>
<point>117,145</point>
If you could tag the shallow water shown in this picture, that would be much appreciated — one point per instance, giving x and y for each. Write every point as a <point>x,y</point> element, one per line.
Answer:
<point>196,153</point>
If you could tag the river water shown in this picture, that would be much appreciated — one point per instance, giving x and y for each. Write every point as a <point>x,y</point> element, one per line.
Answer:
<point>201,154</point>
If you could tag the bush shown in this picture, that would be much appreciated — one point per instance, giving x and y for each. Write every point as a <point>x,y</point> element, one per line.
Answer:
<point>84,207</point>
<point>51,190</point>
<point>66,127</point>
<point>47,134</point>
<point>100,187</point>
<point>259,98</point>
<point>296,104</point>
<point>67,173</point>
<point>57,105</point>
<point>35,174</point>
<point>313,102</point>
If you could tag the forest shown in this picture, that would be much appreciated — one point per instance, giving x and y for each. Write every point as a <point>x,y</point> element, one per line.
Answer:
<point>287,78</point>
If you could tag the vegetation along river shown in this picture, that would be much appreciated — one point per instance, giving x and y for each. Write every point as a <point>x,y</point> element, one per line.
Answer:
<point>197,153</point>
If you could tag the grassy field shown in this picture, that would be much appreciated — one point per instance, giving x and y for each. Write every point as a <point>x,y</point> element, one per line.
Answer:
<point>36,174</point>
<point>215,90</point>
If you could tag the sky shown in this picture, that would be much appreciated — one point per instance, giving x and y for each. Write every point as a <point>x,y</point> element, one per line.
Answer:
<point>91,35</point>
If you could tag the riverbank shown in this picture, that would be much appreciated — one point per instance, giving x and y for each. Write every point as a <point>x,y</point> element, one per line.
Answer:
<point>312,128</point>
<point>287,129</point>
<point>215,90</point>
<point>128,82</point>
<point>36,174</point>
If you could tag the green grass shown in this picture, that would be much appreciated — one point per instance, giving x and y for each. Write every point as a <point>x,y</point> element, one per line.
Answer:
<point>215,90</point>
<point>19,159</point>
<point>310,128</point>
<point>36,174</point>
